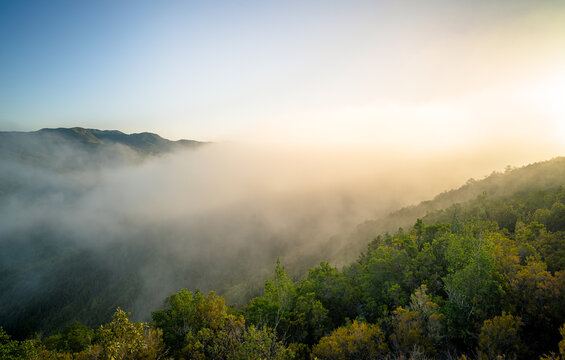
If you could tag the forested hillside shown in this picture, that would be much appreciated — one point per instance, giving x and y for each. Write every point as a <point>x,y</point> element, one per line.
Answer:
<point>514,181</point>
<point>479,275</point>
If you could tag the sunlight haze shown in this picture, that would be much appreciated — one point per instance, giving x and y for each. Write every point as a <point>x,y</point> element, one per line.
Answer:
<point>405,75</point>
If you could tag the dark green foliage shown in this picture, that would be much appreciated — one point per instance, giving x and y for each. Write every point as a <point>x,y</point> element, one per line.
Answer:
<point>308,320</point>
<point>385,280</point>
<point>334,290</point>
<point>75,338</point>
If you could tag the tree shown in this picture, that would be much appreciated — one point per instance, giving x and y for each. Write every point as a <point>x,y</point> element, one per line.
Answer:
<point>333,290</point>
<point>538,298</point>
<point>430,265</point>
<point>500,337</point>
<point>308,320</point>
<point>556,220</point>
<point>384,280</point>
<point>75,338</point>
<point>197,326</point>
<point>472,288</point>
<point>122,339</point>
<point>274,307</point>
<point>418,329</point>
<point>262,343</point>
<point>355,341</point>
<point>552,249</point>
<point>409,333</point>
<point>188,319</point>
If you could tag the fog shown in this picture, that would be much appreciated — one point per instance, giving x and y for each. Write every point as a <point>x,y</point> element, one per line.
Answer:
<point>110,228</point>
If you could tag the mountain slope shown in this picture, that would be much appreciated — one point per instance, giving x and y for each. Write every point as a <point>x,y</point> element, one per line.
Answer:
<point>541,176</point>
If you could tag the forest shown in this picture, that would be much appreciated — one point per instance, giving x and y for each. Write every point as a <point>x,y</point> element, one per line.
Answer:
<point>478,279</point>
<point>272,180</point>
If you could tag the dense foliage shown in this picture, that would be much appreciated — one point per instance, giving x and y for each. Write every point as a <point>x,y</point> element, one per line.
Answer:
<point>484,279</point>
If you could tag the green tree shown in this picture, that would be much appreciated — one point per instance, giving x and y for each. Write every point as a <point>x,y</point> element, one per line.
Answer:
<point>189,319</point>
<point>273,309</point>
<point>472,288</point>
<point>308,320</point>
<point>75,338</point>
<point>384,280</point>
<point>552,250</point>
<point>556,220</point>
<point>197,326</point>
<point>430,265</point>
<point>334,290</point>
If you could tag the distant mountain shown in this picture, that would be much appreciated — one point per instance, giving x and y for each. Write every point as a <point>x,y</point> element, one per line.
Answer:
<point>38,146</point>
<point>30,162</point>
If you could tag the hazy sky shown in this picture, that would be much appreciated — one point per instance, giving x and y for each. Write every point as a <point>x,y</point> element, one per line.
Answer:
<point>394,74</point>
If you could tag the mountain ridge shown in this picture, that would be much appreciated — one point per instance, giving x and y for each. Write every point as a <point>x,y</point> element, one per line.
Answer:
<point>46,147</point>
<point>151,143</point>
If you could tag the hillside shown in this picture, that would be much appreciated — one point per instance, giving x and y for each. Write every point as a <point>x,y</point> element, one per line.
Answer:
<point>539,176</point>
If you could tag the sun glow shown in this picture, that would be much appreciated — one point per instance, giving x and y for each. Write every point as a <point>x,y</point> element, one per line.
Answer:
<point>549,96</point>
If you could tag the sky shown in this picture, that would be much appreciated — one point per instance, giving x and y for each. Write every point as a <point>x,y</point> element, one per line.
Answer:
<point>400,75</point>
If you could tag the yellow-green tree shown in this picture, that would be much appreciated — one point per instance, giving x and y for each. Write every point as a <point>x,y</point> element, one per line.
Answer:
<point>261,343</point>
<point>418,329</point>
<point>500,337</point>
<point>122,339</point>
<point>356,341</point>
